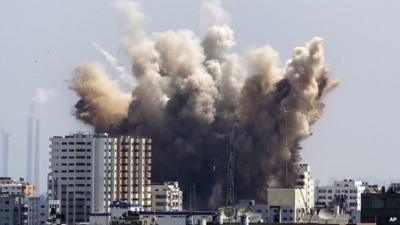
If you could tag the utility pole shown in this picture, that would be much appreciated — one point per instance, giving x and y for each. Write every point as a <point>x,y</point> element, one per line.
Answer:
<point>285,111</point>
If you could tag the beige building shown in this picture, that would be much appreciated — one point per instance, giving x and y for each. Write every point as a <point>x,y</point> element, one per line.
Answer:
<point>166,197</point>
<point>290,205</point>
<point>286,205</point>
<point>90,171</point>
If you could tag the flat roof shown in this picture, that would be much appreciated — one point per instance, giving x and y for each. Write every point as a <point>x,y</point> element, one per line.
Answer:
<point>181,213</point>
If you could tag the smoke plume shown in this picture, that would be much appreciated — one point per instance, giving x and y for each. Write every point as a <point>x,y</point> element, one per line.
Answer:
<point>42,96</point>
<point>194,98</point>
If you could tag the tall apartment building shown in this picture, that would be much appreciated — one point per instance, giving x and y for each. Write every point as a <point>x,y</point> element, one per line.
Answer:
<point>166,197</point>
<point>346,193</point>
<point>89,171</point>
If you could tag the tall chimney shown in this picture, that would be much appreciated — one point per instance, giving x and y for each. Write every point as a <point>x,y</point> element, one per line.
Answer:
<point>29,171</point>
<point>37,156</point>
<point>6,146</point>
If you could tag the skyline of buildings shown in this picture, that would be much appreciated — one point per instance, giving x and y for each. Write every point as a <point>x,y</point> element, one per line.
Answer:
<point>89,172</point>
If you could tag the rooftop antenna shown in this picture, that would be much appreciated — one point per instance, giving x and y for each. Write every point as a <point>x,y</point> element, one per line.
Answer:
<point>193,196</point>
<point>230,182</point>
<point>285,111</point>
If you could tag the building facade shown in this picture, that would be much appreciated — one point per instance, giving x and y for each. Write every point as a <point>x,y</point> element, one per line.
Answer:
<point>346,194</point>
<point>286,205</point>
<point>13,210</point>
<point>20,187</point>
<point>37,210</point>
<point>21,195</point>
<point>305,182</point>
<point>291,204</point>
<point>89,171</point>
<point>166,197</point>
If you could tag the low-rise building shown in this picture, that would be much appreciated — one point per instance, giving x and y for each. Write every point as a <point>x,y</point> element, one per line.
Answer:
<point>20,187</point>
<point>290,204</point>
<point>286,205</point>
<point>166,197</point>
<point>176,218</point>
<point>381,207</point>
<point>346,193</point>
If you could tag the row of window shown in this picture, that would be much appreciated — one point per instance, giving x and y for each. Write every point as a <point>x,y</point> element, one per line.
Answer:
<point>337,191</point>
<point>77,178</point>
<point>76,143</point>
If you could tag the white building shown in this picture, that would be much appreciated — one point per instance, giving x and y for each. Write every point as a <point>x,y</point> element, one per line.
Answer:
<point>346,193</point>
<point>305,182</point>
<point>13,187</point>
<point>166,197</point>
<point>90,171</point>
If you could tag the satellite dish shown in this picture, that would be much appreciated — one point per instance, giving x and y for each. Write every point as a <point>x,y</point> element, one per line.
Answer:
<point>326,213</point>
<point>154,219</point>
<point>245,211</point>
<point>250,214</point>
<point>228,212</point>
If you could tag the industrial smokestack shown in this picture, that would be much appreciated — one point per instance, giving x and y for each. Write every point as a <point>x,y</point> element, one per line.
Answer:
<point>6,146</point>
<point>29,171</point>
<point>37,156</point>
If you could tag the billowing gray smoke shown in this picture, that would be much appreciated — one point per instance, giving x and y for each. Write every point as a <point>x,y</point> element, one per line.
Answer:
<point>192,96</point>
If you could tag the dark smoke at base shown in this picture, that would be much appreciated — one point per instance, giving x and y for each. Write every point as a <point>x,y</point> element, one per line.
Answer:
<point>191,96</point>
